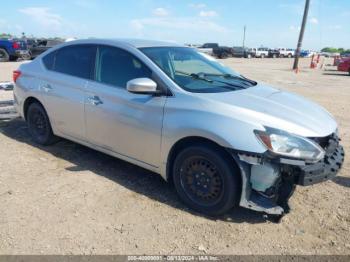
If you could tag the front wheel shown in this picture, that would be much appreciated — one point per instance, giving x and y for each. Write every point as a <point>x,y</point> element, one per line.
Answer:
<point>206,180</point>
<point>39,125</point>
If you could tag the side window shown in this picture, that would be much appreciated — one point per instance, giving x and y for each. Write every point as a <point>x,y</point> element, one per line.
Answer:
<point>77,60</point>
<point>49,60</point>
<point>116,67</point>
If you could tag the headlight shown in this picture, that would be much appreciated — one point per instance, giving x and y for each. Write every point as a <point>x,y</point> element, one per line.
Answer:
<point>286,144</point>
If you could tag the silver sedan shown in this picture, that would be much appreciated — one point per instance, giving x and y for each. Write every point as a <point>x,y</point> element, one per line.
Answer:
<point>221,138</point>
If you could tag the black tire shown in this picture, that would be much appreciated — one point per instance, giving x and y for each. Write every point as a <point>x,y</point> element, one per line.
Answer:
<point>13,58</point>
<point>39,125</point>
<point>224,55</point>
<point>4,56</point>
<point>206,180</point>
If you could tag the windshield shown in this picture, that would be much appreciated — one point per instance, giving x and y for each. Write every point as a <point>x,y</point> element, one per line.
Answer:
<point>195,71</point>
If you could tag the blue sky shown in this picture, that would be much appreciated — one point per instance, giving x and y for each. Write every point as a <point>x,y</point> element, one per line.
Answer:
<point>272,23</point>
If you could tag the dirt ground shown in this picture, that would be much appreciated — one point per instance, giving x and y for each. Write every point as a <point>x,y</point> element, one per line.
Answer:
<point>68,199</point>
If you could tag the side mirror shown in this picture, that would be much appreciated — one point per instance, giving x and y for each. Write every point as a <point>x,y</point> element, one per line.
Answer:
<point>142,86</point>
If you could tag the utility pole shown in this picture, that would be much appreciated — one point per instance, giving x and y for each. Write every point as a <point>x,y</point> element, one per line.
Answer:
<point>244,29</point>
<point>301,35</point>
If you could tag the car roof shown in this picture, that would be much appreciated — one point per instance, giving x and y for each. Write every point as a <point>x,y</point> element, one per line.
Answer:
<point>137,43</point>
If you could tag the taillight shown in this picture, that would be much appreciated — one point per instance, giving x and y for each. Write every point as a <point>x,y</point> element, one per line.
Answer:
<point>16,74</point>
<point>15,45</point>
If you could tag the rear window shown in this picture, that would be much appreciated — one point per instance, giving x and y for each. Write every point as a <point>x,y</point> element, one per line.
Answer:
<point>49,60</point>
<point>76,60</point>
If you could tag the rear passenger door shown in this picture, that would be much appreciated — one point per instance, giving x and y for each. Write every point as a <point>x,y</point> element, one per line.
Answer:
<point>63,87</point>
<point>119,121</point>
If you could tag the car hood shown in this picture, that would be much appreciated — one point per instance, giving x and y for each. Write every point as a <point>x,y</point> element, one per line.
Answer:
<point>270,107</point>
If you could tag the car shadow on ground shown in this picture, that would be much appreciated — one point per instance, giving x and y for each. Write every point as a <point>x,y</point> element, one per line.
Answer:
<point>342,180</point>
<point>128,175</point>
<point>337,74</point>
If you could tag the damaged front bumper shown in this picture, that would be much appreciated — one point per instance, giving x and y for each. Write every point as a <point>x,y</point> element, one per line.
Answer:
<point>281,175</point>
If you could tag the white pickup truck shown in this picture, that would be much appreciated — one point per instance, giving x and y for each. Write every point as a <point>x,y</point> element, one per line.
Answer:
<point>286,52</point>
<point>259,52</point>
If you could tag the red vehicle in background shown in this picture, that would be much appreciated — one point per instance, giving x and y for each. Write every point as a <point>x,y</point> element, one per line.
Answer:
<point>344,65</point>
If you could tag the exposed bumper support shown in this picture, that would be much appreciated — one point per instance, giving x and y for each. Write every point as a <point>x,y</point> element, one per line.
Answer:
<point>321,171</point>
<point>249,198</point>
<point>293,172</point>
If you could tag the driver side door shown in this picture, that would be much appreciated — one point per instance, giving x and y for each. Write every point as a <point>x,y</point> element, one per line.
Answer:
<point>119,121</point>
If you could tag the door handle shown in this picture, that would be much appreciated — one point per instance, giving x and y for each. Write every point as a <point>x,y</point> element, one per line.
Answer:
<point>47,87</point>
<point>95,100</point>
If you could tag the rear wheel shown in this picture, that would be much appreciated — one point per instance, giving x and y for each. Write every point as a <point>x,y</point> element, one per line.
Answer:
<point>4,56</point>
<point>26,56</point>
<point>206,180</point>
<point>224,55</point>
<point>39,125</point>
<point>13,58</point>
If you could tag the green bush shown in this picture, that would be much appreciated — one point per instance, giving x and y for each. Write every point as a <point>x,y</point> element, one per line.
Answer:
<point>335,50</point>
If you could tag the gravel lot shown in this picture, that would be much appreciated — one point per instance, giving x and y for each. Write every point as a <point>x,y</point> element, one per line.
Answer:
<point>68,199</point>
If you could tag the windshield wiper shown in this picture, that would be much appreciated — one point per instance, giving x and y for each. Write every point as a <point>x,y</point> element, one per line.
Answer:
<point>242,78</point>
<point>200,76</point>
<point>195,76</point>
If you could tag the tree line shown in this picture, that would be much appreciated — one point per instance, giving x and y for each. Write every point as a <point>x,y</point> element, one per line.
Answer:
<point>335,50</point>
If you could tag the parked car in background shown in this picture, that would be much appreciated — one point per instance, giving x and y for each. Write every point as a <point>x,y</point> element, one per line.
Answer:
<point>207,48</point>
<point>344,65</point>
<point>12,49</point>
<point>222,139</point>
<point>274,53</point>
<point>41,46</point>
<point>30,42</point>
<point>340,58</point>
<point>337,60</point>
<point>240,51</point>
<point>307,53</point>
<point>326,54</point>
<point>286,52</point>
<point>193,45</point>
<point>345,55</point>
<point>259,52</point>
<point>223,52</point>
<point>214,49</point>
